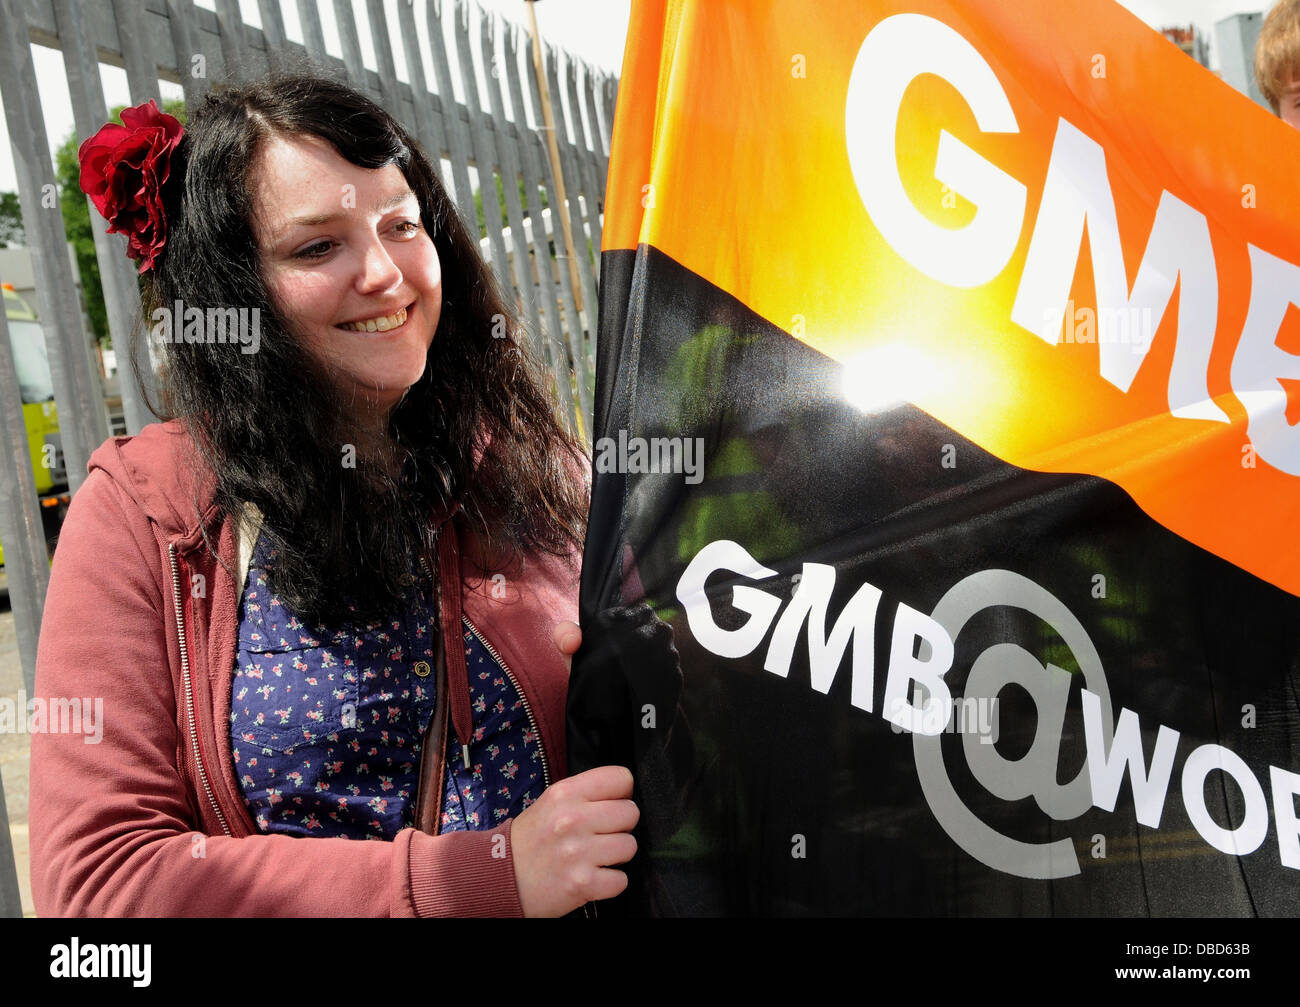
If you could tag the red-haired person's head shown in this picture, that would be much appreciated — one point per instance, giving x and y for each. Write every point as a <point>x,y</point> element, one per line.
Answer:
<point>1277,60</point>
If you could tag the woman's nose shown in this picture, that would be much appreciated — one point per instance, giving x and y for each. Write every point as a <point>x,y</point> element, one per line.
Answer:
<point>378,270</point>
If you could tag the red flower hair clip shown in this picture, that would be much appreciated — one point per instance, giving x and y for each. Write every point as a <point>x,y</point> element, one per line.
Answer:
<point>123,169</point>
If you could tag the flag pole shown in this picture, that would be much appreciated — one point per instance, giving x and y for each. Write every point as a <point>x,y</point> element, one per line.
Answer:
<point>553,148</point>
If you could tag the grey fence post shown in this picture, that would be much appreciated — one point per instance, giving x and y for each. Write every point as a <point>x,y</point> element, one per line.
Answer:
<point>564,278</point>
<point>484,152</point>
<point>83,424</point>
<point>608,104</point>
<point>573,186</point>
<point>587,287</point>
<point>122,276</point>
<point>551,343</point>
<point>599,151</point>
<point>11,902</point>
<point>273,36</point>
<point>117,274</point>
<point>234,44</point>
<point>389,94</point>
<point>351,42</point>
<point>586,161</point>
<point>312,35</point>
<point>430,135</point>
<point>181,20</point>
<point>27,566</point>
<point>457,140</point>
<point>490,28</point>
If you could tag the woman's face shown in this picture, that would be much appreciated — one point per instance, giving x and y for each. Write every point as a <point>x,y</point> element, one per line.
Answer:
<point>340,244</point>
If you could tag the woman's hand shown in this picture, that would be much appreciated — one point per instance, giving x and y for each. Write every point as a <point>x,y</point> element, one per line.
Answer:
<point>565,842</point>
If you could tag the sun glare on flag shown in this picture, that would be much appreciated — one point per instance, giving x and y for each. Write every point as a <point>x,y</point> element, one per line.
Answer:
<point>886,377</point>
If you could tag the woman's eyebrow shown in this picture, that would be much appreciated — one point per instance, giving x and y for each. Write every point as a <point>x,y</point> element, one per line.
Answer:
<point>325,218</point>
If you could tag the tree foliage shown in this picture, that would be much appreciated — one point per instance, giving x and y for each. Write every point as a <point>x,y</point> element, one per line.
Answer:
<point>501,200</point>
<point>11,220</point>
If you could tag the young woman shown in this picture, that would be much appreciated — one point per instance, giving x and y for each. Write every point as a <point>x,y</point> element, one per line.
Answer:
<point>329,599</point>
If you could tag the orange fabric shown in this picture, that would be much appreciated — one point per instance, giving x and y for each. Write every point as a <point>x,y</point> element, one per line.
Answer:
<point>734,114</point>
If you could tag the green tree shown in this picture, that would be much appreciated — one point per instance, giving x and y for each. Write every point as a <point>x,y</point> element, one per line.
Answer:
<point>76,221</point>
<point>501,200</point>
<point>11,221</point>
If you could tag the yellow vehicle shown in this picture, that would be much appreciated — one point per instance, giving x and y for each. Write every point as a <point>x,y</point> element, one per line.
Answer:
<point>40,415</point>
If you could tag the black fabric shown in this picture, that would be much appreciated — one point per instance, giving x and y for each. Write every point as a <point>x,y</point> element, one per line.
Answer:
<point>742,762</point>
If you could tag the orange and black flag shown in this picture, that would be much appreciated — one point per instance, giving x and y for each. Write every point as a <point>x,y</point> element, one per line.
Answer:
<point>943,547</point>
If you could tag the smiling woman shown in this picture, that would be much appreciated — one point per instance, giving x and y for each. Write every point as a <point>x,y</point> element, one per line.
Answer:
<point>336,583</point>
<point>364,272</point>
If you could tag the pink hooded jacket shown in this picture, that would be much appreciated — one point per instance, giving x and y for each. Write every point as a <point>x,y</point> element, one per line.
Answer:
<point>150,820</point>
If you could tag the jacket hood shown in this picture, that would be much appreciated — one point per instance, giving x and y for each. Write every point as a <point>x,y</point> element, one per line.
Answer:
<point>162,472</point>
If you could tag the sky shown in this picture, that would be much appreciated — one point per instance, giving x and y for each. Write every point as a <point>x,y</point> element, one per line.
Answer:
<point>594,30</point>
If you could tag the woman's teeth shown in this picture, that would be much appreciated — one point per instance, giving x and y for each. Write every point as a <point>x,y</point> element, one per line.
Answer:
<point>377,324</point>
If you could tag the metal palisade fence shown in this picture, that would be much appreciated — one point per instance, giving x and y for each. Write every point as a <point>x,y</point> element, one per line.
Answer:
<point>503,126</point>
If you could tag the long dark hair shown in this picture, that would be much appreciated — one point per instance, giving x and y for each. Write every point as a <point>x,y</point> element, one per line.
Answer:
<point>477,434</point>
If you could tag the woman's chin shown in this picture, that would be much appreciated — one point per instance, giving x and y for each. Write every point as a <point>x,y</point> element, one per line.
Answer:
<point>390,393</point>
<point>392,382</point>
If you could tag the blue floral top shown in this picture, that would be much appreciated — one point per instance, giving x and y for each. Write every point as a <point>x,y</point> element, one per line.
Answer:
<point>327,724</point>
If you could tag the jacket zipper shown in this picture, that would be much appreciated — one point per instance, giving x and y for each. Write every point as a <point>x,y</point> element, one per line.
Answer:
<point>189,690</point>
<point>528,710</point>
<point>588,908</point>
<point>546,772</point>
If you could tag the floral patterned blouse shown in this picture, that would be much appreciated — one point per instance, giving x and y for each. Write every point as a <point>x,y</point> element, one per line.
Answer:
<point>327,723</point>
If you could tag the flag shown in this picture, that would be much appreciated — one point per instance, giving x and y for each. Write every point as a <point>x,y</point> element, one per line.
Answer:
<point>942,552</point>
